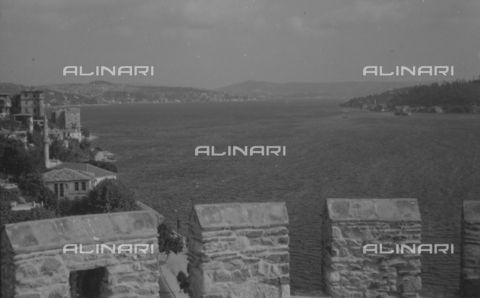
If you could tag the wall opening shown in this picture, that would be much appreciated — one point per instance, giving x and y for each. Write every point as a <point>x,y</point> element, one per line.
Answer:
<point>87,283</point>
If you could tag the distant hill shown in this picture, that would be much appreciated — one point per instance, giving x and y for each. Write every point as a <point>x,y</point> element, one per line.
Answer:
<point>341,90</point>
<point>104,92</point>
<point>452,97</point>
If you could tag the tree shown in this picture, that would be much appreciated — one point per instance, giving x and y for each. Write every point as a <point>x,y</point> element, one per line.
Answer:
<point>111,195</point>
<point>182,280</point>
<point>168,241</point>
<point>72,207</point>
<point>85,132</point>
<point>71,154</point>
<point>85,145</point>
<point>8,216</point>
<point>18,160</point>
<point>35,138</point>
<point>32,185</point>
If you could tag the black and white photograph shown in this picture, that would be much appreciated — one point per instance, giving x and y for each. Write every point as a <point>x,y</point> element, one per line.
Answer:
<point>240,149</point>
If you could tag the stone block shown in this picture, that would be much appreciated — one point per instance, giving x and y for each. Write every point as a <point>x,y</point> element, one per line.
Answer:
<point>278,258</point>
<point>28,295</point>
<point>221,276</point>
<point>60,292</point>
<point>245,215</point>
<point>352,223</point>
<point>120,269</point>
<point>41,235</point>
<point>277,231</point>
<point>250,233</point>
<point>26,271</point>
<point>373,210</point>
<point>237,263</point>
<point>234,265</point>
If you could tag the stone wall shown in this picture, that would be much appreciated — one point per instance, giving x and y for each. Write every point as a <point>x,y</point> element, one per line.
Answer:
<point>239,251</point>
<point>349,224</point>
<point>36,266</point>
<point>470,256</point>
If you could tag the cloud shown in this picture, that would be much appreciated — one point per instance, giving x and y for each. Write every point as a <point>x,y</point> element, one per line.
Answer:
<point>199,13</point>
<point>364,12</point>
<point>305,27</point>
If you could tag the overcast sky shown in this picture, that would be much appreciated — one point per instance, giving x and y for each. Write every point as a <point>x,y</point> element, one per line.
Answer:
<point>214,43</point>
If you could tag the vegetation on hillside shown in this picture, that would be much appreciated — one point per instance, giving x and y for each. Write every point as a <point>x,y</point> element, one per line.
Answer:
<point>17,160</point>
<point>453,97</point>
<point>111,195</point>
<point>7,216</point>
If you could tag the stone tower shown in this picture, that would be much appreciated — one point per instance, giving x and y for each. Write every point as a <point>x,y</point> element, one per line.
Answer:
<point>30,124</point>
<point>46,142</point>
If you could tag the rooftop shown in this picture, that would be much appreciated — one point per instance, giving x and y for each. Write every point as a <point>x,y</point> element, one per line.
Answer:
<point>23,115</point>
<point>96,171</point>
<point>40,235</point>
<point>60,175</point>
<point>373,209</point>
<point>245,215</point>
<point>32,91</point>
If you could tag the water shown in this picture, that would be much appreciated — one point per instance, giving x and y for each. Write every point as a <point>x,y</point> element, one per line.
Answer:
<point>433,158</point>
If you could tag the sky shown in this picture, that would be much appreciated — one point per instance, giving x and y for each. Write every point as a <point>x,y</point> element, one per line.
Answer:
<point>215,43</point>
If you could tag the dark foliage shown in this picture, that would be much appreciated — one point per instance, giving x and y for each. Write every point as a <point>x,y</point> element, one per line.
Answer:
<point>111,195</point>
<point>32,185</point>
<point>168,241</point>
<point>85,145</point>
<point>72,153</point>
<point>72,207</point>
<point>7,216</point>
<point>11,125</point>
<point>182,279</point>
<point>35,138</point>
<point>85,132</point>
<point>17,160</point>
<point>454,97</point>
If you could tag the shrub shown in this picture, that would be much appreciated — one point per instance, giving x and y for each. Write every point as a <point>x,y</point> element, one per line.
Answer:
<point>168,241</point>
<point>85,132</point>
<point>32,185</point>
<point>110,196</point>
<point>72,207</point>
<point>18,161</point>
<point>182,279</point>
<point>8,216</point>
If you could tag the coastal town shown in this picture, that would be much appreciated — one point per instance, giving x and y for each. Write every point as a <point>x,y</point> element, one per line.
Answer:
<point>101,92</point>
<point>25,124</point>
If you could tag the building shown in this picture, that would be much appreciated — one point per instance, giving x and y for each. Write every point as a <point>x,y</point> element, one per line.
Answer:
<point>25,206</point>
<point>49,163</point>
<point>103,156</point>
<point>71,133</point>
<point>29,102</point>
<point>37,263</point>
<point>66,118</point>
<point>99,174</point>
<point>5,104</point>
<point>68,183</point>
<point>19,135</point>
<point>56,134</point>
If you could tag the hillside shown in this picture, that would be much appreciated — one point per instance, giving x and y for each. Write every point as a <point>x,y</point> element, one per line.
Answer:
<point>103,92</point>
<point>452,97</point>
<point>311,90</point>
